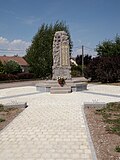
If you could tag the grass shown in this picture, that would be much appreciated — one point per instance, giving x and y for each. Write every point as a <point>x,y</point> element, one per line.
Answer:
<point>111,116</point>
<point>1,108</point>
<point>117,148</point>
<point>2,120</point>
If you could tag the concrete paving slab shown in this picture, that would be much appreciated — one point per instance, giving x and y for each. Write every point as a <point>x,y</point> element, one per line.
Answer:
<point>53,127</point>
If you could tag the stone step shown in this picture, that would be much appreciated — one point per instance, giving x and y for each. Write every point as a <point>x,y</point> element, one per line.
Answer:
<point>55,82</point>
<point>60,90</point>
<point>58,85</point>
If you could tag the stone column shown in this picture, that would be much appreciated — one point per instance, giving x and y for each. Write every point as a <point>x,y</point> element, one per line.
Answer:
<point>61,57</point>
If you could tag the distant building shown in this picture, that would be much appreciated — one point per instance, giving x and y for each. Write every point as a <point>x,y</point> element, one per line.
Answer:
<point>21,61</point>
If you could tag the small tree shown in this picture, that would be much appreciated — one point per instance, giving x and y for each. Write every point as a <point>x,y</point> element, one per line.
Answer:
<point>39,54</point>
<point>12,67</point>
<point>109,47</point>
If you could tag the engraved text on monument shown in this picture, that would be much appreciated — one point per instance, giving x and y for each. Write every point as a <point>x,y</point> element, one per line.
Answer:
<point>64,55</point>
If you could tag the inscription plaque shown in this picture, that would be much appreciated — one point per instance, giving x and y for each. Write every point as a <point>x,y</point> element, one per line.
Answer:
<point>64,55</point>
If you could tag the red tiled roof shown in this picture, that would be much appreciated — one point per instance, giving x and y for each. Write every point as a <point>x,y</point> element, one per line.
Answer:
<point>21,61</point>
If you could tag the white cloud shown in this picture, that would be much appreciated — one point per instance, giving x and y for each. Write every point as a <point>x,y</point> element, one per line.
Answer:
<point>3,41</point>
<point>16,46</point>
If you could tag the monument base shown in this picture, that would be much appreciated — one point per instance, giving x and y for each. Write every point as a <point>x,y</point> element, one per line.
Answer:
<point>61,72</point>
<point>73,85</point>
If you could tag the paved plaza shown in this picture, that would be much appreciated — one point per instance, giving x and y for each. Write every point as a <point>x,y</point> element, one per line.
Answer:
<point>53,127</point>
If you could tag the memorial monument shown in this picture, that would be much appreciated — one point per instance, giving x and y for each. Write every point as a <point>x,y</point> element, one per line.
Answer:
<point>61,57</point>
<point>61,69</point>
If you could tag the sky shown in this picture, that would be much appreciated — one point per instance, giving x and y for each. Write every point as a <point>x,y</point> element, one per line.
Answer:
<point>90,22</point>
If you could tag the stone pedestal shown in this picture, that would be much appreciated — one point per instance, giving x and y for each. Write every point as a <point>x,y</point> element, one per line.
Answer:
<point>61,72</point>
<point>72,85</point>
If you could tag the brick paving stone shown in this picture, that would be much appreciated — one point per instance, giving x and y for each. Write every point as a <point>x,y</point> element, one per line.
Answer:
<point>53,126</point>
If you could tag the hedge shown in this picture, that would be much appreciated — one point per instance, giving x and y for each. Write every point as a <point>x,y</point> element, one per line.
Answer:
<point>104,69</point>
<point>5,77</point>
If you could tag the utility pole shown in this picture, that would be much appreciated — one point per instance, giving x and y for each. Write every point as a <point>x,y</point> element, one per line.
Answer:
<point>82,60</point>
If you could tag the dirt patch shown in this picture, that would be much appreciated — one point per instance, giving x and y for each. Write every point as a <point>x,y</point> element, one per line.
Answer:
<point>105,132</point>
<point>7,115</point>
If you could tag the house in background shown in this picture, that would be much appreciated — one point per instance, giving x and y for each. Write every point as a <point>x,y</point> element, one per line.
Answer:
<point>21,61</point>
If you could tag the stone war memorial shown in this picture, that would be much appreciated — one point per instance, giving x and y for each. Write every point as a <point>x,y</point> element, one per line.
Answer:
<point>61,57</point>
<point>62,82</point>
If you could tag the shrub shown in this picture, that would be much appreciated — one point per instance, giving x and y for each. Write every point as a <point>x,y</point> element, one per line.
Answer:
<point>108,70</point>
<point>25,75</point>
<point>76,71</point>
<point>4,77</point>
<point>12,67</point>
<point>12,77</point>
<point>104,69</point>
<point>90,70</point>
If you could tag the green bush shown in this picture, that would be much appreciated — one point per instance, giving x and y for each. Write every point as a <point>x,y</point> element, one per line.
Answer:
<point>12,67</point>
<point>25,75</point>
<point>76,71</point>
<point>117,148</point>
<point>19,76</point>
<point>2,120</point>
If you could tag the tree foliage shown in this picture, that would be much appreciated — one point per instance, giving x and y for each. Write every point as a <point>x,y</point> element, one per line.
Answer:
<point>108,69</point>
<point>12,67</point>
<point>76,71</point>
<point>39,54</point>
<point>104,69</point>
<point>109,47</point>
<point>90,70</point>
<point>87,59</point>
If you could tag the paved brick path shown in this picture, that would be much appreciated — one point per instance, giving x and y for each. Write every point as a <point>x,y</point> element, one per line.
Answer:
<point>52,127</point>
